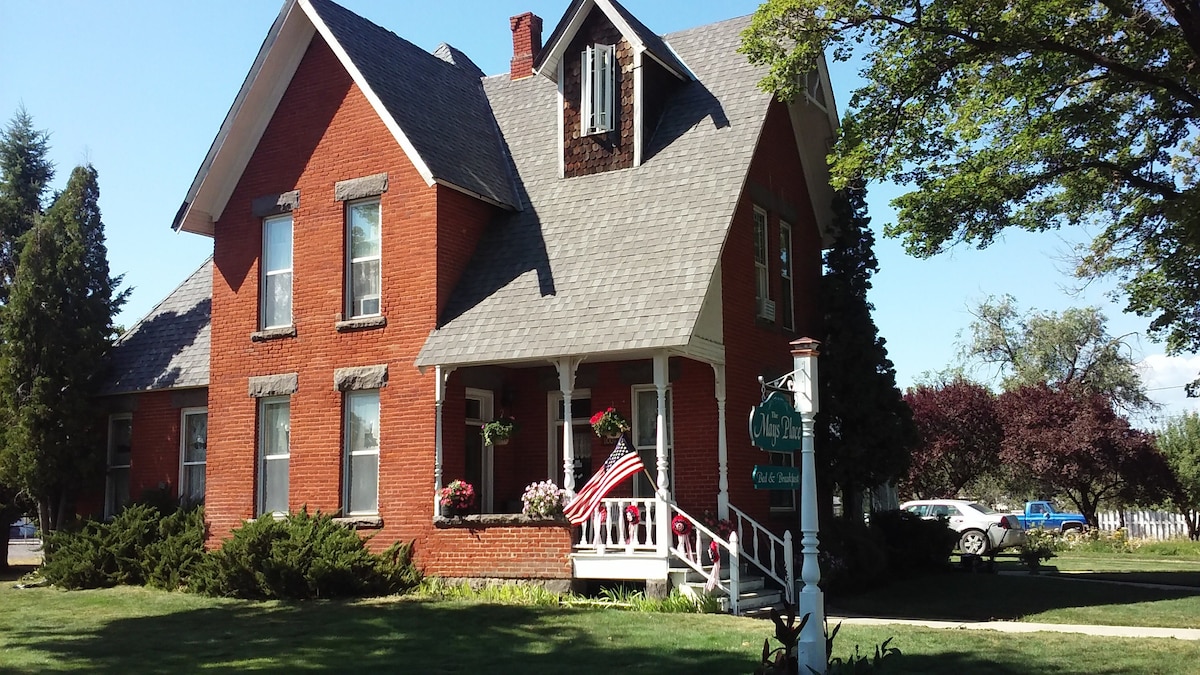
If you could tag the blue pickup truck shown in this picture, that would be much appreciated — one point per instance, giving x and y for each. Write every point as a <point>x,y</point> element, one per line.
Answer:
<point>1043,514</point>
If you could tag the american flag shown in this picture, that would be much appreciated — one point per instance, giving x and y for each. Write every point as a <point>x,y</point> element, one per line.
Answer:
<point>621,464</point>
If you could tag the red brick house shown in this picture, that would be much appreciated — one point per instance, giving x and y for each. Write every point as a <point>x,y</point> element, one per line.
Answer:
<point>404,249</point>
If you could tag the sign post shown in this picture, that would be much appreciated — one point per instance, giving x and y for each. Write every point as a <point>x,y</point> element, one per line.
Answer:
<point>811,646</point>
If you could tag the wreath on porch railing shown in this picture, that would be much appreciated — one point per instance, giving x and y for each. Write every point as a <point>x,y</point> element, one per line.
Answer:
<point>633,515</point>
<point>681,526</point>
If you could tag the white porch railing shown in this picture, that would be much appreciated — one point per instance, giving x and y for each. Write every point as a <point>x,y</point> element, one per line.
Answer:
<point>610,530</point>
<point>770,553</point>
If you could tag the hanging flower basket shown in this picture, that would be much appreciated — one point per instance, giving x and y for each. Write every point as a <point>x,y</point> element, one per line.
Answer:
<point>498,431</point>
<point>609,423</point>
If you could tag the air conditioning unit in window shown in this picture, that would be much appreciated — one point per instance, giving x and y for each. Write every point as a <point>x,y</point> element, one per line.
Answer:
<point>766,309</point>
<point>366,305</point>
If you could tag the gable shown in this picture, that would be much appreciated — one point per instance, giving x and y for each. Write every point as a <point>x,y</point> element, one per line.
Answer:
<point>450,137</point>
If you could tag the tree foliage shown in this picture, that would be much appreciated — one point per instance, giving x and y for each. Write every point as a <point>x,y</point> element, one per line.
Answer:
<point>1071,351</point>
<point>1077,446</point>
<point>1179,442</point>
<point>864,429</point>
<point>25,174</point>
<point>54,333</point>
<point>960,436</point>
<point>1033,114</point>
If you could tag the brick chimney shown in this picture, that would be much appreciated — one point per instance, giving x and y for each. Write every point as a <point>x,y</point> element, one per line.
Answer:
<point>527,42</point>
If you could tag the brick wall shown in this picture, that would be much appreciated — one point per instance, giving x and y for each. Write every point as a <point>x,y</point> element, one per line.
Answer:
<point>754,346</point>
<point>325,131</point>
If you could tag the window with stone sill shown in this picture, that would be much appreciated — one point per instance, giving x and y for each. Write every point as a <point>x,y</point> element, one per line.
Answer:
<point>274,454</point>
<point>120,450</point>
<point>276,292</point>
<point>361,484</point>
<point>193,454</point>
<point>363,262</point>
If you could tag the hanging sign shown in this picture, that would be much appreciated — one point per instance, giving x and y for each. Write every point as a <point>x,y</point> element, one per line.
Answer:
<point>769,477</point>
<point>775,426</point>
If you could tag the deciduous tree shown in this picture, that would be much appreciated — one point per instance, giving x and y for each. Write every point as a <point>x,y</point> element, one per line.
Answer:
<point>1179,441</point>
<point>1034,114</point>
<point>960,436</point>
<point>1077,446</point>
<point>1070,351</point>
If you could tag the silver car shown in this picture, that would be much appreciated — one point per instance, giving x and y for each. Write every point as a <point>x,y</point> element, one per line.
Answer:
<point>980,529</point>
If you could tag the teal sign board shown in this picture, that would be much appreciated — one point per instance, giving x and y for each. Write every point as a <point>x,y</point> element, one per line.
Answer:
<point>776,477</point>
<point>775,426</point>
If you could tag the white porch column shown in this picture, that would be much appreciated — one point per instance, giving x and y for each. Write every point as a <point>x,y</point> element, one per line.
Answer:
<point>440,375</point>
<point>566,367</point>
<point>660,442</point>
<point>722,443</point>
<point>811,648</point>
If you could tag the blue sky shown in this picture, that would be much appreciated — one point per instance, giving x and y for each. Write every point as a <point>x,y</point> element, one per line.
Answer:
<point>139,88</point>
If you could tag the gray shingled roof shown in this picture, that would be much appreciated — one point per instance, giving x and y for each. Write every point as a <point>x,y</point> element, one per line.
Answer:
<point>654,44</point>
<point>439,106</point>
<point>614,261</point>
<point>168,348</point>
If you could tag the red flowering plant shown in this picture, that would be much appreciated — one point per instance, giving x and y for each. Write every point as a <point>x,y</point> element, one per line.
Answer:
<point>609,423</point>
<point>722,527</point>
<point>633,515</point>
<point>459,494</point>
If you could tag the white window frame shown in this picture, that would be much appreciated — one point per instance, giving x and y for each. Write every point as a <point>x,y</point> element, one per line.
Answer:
<point>351,301</point>
<point>348,453</point>
<point>110,509</point>
<point>184,464</point>
<point>263,458</point>
<point>266,297</point>
<point>786,279</point>
<point>762,275</point>
<point>652,447</point>
<point>486,488</point>
<point>599,80</point>
<point>555,430</point>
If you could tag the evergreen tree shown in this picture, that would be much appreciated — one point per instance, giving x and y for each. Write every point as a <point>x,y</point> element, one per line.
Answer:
<point>864,429</point>
<point>25,174</point>
<point>54,333</point>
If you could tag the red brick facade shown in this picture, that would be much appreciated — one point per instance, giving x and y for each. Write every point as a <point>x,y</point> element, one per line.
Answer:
<point>323,131</point>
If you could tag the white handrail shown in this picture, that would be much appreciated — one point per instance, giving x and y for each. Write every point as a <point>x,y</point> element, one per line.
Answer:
<point>610,529</point>
<point>777,548</point>
<point>693,556</point>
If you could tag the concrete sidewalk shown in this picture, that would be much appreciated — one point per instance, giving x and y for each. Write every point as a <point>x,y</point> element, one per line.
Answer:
<point>1020,627</point>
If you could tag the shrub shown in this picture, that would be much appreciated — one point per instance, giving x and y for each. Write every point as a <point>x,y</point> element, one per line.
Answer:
<point>852,556</point>
<point>913,544</point>
<point>301,557</point>
<point>138,546</point>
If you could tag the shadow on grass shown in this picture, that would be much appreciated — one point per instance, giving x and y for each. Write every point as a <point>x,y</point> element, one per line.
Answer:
<point>991,597</point>
<point>414,637</point>
<point>14,572</point>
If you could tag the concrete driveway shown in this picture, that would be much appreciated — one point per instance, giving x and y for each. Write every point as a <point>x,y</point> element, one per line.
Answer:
<point>25,552</point>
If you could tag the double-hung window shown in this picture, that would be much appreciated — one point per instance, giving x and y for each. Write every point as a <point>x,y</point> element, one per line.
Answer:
<point>274,453</point>
<point>363,258</point>
<point>599,81</point>
<point>782,500</point>
<point>276,310</point>
<point>762,295</point>
<point>193,454</point>
<point>645,435</point>
<point>120,446</point>
<point>787,307</point>
<point>361,486</point>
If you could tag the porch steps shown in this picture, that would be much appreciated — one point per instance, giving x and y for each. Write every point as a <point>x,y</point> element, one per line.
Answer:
<point>753,593</point>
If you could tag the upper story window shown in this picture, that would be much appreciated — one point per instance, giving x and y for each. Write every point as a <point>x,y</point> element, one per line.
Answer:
<point>787,305</point>
<point>762,293</point>
<point>276,309</point>
<point>599,81</point>
<point>363,258</point>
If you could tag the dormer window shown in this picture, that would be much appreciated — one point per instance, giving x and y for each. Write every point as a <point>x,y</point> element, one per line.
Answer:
<point>599,81</point>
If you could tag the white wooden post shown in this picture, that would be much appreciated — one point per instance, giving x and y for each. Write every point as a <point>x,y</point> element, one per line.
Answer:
<point>566,383</point>
<point>722,443</point>
<point>660,453</point>
<point>811,648</point>
<point>441,375</point>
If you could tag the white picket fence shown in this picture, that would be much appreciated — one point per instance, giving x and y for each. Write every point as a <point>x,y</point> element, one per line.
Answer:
<point>1157,525</point>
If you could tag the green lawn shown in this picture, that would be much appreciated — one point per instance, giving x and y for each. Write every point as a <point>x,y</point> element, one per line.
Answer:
<point>140,630</point>
<point>1130,568</point>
